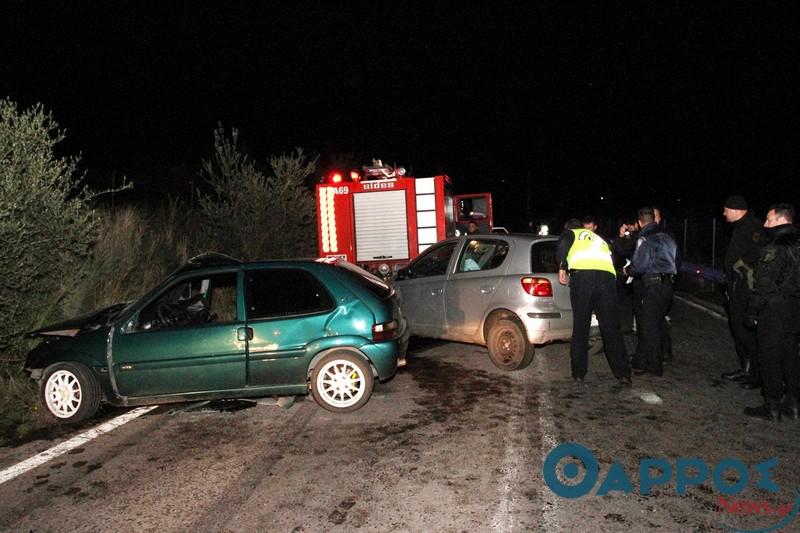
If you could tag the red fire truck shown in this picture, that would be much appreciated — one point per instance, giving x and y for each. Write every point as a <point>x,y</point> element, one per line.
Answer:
<point>380,218</point>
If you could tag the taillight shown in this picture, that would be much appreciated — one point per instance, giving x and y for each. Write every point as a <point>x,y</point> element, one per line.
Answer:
<point>384,332</point>
<point>537,286</point>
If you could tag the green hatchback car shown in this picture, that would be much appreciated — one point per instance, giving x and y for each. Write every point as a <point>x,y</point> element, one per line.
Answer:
<point>219,328</point>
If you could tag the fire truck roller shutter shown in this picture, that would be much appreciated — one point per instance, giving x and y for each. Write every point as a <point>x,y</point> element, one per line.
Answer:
<point>425,189</point>
<point>381,225</point>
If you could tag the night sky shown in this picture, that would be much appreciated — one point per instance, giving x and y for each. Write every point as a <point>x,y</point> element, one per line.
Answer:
<point>551,106</point>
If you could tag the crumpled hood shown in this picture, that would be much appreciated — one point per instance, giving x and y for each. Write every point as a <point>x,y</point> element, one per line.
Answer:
<point>91,321</point>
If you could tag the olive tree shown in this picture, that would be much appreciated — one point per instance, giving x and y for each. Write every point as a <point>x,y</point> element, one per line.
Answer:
<point>47,225</point>
<point>252,215</point>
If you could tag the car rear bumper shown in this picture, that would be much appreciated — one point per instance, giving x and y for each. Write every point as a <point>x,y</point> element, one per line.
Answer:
<point>544,327</point>
<point>388,356</point>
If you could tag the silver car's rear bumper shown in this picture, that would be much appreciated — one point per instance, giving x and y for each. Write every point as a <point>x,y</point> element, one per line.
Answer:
<point>544,327</point>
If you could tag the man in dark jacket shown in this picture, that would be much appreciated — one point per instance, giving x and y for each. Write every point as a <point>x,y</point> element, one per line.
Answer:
<point>741,258</point>
<point>773,311</point>
<point>653,269</point>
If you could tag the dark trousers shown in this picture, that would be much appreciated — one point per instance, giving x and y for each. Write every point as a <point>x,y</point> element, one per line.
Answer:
<point>653,298</point>
<point>745,339</point>
<point>777,347</point>
<point>596,290</point>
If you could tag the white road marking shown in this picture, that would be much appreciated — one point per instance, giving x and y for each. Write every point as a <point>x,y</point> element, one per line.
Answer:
<point>60,449</point>
<point>550,505</point>
<point>700,307</point>
<point>503,520</point>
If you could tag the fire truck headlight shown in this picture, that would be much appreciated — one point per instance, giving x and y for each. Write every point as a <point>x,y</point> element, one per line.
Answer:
<point>384,269</point>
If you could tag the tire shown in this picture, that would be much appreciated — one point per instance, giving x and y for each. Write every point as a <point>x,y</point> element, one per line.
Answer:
<point>342,382</point>
<point>69,392</point>
<point>509,349</point>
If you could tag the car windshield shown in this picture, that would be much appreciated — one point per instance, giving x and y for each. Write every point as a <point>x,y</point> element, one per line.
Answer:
<point>369,281</point>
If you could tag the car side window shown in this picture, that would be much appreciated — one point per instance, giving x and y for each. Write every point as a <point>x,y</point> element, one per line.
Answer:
<point>193,301</point>
<point>281,292</point>
<point>434,262</point>
<point>482,254</point>
<point>543,257</point>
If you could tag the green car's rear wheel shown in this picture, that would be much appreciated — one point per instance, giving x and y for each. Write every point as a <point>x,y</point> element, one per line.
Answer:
<point>342,382</point>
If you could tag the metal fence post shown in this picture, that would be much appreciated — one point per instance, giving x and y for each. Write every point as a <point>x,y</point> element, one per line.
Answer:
<point>713,243</point>
<point>685,231</point>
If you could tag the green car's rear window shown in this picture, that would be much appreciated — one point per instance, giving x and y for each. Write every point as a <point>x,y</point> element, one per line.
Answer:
<point>282,292</point>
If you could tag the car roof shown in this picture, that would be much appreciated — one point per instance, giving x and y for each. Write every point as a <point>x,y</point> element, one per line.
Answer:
<point>214,259</point>
<point>514,236</point>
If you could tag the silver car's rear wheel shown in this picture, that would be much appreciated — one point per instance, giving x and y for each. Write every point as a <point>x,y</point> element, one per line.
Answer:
<point>508,347</point>
<point>70,392</point>
<point>342,382</point>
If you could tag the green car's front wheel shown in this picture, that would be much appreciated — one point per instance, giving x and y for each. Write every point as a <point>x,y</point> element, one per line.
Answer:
<point>69,392</point>
<point>342,382</point>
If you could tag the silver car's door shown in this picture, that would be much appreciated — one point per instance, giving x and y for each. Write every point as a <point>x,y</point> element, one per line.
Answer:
<point>470,290</point>
<point>421,287</point>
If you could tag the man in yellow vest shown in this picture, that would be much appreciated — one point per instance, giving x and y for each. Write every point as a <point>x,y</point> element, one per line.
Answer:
<point>586,257</point>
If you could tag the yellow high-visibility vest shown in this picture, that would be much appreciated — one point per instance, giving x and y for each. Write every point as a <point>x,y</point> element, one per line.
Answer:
<point>589,252</point>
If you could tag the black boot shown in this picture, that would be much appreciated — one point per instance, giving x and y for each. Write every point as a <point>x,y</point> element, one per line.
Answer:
<point>751,382</point>
<point>740,374</point>
<point>769,411</point>
<point>789,409</point>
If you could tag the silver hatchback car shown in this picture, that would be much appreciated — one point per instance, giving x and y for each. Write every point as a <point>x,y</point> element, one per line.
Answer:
<point>500,291</point>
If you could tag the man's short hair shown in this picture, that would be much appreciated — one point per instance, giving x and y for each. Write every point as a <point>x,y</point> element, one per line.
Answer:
<point>573,223</point>
<point>589,219</point>
<point>783,210</point>
<point>646,215</point>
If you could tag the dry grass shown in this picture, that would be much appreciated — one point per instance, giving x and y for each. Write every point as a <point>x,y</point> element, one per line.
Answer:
<point>134,252</point>
<point>19,404</point>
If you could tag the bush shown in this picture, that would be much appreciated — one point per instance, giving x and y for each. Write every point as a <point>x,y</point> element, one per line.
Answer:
<point>46,223</point>
<point>253,216</point>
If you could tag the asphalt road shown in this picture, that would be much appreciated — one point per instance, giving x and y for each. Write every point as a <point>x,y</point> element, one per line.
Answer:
<point>450,444</point>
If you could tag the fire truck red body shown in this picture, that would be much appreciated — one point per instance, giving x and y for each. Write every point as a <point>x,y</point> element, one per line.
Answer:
<point>381,224</point>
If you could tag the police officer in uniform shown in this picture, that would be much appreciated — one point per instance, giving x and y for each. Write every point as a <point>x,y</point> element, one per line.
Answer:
<point>592,287</point>
<point>773,310</point>
<point>653,269</point>
<point>741,258</point>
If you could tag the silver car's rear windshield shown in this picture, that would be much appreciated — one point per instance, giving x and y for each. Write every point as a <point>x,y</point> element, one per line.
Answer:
<point>543,257</point>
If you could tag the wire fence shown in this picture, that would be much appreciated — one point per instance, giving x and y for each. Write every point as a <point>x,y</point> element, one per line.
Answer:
<point>701,241</point>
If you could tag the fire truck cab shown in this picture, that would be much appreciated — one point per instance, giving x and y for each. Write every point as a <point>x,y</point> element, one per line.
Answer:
<point>380,218</point>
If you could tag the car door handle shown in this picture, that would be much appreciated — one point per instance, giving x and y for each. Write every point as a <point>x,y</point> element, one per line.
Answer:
<point>244,334</point>
<point>487,289</point>
<point>436,292</point>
